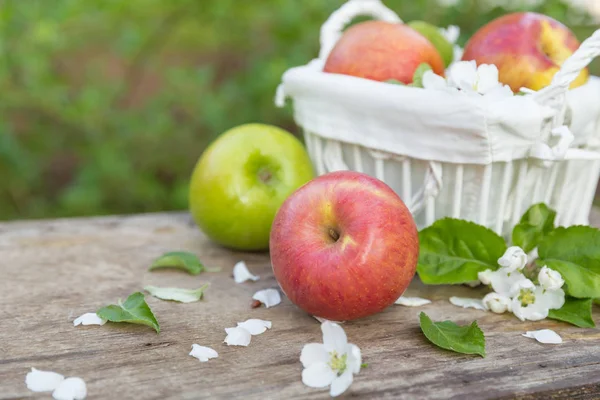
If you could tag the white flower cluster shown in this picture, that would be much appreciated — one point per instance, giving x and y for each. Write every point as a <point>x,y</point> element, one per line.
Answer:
<point>466,77</point>
<point>515,293</point>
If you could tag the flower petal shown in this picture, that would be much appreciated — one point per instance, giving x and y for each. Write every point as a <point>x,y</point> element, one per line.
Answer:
<point>544,336</point>
<point>487,78</point>
<point>321,320</point>
<point>550,279</point>
<point>354,360</point>
<point>341,383</point>
<point>237,336</point>
<point>463,75</point>
<point>412,301</point>
<point>485,277</point>
<point>89,319</point>
<point>42,381</point>
<point>503,280</point>
<point>313,353</point>
<point>334,337</point>
<point>269,297</point>
<point>318,375</point>
<point>433,81</point>
<point>513,259</point>
<point>451,33</point>
<point>203,353</point>
<point>255,326</point>
<point>466,302</point>
<point>533,312</point>
<point>496,303</point>
<point>71,389</point>
<point>552,299</point>
<point>242,274</point>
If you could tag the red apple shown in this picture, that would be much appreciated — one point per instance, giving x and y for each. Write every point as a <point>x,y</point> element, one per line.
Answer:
<point>381,51</point>
<point>344,246</point>
<point>527,48</point>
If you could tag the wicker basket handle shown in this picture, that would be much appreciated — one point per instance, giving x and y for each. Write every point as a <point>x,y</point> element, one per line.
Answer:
<point>571,68</point>
<point>332,29</point>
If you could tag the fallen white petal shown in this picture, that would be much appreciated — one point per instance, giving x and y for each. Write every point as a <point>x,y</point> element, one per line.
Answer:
<point>318,375</point>
<point>242,274</point>
<point>354,361</point>
<point>269,297</point>
<point>547,336</point>
<point>237,336</point>
<point>177,294</point>
<point>341,383</point>
<point>89,319</point>
<point>255,326</point>
<point>203,353</point>
<point>466,302</point>
<point>42,381</point>
<point>412,301</point>
<point>70,389</point>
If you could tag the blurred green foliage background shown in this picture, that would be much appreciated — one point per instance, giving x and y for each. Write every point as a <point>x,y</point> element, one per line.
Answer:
<point>107,105</point>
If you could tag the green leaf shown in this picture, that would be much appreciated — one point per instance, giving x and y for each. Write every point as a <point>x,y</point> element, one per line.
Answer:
<point>575,311</point>
<point>535,224</point>
<point>177,294</point>
<point>418,75</point>
<point>575,253</point>
<point>188,262</point>
<point>134,310</point>
<point>453,251</point>
<point>450,336</point>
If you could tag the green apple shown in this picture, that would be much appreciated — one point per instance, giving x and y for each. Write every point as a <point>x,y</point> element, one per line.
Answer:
<point>432,33</point>
<point>241,180</point>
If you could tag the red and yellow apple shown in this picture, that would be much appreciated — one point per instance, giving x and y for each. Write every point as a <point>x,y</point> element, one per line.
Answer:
<point>528,49</point>
<point>382,51</point>
<point>344,246</point>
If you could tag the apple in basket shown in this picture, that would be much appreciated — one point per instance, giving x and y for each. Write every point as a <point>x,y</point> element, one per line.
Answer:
<point>344,246</point>
<point>528,49</point>
<point>381,51</point>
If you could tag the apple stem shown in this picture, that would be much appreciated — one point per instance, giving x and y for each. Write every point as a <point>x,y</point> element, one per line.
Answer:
<point>334,234</point>
<point>265,175</point>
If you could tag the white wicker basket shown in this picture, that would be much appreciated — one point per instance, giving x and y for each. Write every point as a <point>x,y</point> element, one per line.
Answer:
<point>482,161</point>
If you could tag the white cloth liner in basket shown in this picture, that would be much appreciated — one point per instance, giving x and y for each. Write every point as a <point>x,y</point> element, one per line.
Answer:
<point>450,155</point>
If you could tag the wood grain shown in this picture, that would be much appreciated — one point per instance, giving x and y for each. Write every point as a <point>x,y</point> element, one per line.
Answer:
<point>54,271</point>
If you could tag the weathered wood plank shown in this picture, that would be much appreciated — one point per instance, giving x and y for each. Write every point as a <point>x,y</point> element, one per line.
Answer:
<point>53,271</point>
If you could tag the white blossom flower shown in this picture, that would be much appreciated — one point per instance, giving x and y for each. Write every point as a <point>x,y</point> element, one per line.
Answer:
<point>255,326</point>
<point>70,389</point>
<point>469,79</point>
<point>496,303</point>
<point>466,302</point>
<point>203,353</point>
<point>513,259</point>
<point>544,336</point>
<point>450,33</point>
<point>89,319</point>
<point>550,279</point>
<point>237,336</point>
<point>242,274</point>
<point>42,381</point>
<point>533,303</point>
<point>412,301</point>
<point>502,280</point>
<point>331,363</point>
<point>269,297</point>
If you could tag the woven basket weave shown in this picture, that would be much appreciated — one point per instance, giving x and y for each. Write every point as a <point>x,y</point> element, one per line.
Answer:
<point>448,155</point>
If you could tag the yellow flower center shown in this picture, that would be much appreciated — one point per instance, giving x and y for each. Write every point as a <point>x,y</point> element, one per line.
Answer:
<point>338,363</point>
<point>526,297</point>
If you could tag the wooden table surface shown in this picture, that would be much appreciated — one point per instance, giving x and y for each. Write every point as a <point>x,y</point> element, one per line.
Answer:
<point>54,271</point>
